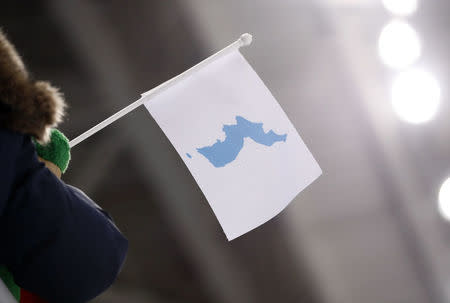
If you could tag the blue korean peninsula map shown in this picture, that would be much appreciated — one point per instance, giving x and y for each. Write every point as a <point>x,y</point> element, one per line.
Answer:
<point>223,152</point>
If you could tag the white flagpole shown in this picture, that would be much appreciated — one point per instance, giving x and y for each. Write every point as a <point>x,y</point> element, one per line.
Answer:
<point>244,40</point>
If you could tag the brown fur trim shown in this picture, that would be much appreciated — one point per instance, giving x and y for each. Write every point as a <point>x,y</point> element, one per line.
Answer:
<point>26,106</point>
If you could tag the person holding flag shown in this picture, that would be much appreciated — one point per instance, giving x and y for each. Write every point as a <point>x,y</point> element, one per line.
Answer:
<point>56,244</point>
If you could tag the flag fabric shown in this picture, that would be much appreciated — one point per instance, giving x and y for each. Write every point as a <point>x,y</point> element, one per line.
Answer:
<point>239,145</point>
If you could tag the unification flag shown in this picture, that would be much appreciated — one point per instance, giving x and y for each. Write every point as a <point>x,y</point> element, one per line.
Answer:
<point>239,145</point>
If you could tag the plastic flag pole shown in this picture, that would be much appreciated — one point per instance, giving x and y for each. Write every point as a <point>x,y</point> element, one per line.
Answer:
<point>244,40</point>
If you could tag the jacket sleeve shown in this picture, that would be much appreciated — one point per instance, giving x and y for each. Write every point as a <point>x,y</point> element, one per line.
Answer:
<point>56,242</point>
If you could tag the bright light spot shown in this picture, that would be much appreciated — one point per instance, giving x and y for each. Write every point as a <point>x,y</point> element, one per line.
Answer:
<point>444,199</point>
<point>401,7</point>
<point>415,96</point>
<point>399,44</point>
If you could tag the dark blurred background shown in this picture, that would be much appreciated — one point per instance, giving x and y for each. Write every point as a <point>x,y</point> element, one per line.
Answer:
<point>368,230</point>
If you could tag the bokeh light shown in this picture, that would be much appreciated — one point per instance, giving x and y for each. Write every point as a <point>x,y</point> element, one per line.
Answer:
<point>399,45</point>
<point>444,199</point>
<point>401,7</point>
<point>415,96</point>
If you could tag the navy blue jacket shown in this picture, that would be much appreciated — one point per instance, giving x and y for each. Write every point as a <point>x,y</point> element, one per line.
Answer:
<point>55,241</point>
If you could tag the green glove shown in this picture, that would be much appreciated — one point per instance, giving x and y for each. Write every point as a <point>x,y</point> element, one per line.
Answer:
<point>56,151</point>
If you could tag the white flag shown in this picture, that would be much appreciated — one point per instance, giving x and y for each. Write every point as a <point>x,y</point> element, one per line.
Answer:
<point>237,142</point>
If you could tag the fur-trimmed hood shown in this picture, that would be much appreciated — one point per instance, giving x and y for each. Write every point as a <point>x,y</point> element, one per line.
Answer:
<point>26,106</point>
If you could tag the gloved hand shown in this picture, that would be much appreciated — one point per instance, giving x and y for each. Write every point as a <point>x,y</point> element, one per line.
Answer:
<point>56,153</point>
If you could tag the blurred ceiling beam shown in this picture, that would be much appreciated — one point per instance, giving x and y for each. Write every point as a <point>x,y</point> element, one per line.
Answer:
<point>405,193</point>
<point>103,153</point>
